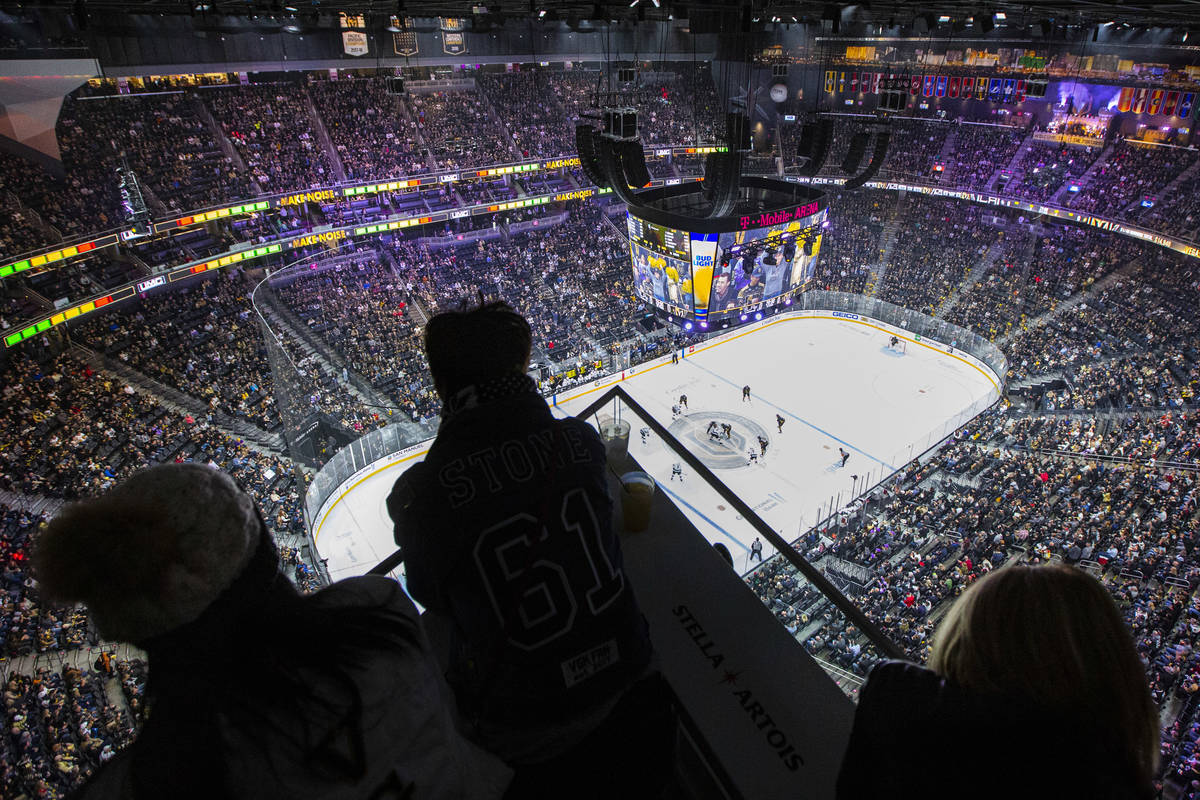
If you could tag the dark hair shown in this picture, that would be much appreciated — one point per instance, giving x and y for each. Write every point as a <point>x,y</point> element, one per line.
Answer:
<point>469,346</point>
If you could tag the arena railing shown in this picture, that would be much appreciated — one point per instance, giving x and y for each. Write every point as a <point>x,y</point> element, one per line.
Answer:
<point>618,402</point>
<point>65,250</point>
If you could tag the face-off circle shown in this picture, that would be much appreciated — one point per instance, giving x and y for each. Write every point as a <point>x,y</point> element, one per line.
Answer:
<point>718,453</point>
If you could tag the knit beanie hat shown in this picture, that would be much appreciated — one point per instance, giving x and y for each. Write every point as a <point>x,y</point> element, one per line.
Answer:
<point>151,554</point>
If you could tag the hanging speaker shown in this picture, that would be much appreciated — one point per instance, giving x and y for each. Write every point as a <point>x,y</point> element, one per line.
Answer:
<point>820,148</point>
<point>585,147</point>
<point>877,157</point>
<point>858,148</point>
<point>633,162</point>
<point>789,252</point>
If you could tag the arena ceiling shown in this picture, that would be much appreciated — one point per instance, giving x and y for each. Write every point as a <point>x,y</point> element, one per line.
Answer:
<point>924,15</point>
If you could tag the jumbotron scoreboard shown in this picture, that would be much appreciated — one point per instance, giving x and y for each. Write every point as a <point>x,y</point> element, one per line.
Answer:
<point>725,271</point>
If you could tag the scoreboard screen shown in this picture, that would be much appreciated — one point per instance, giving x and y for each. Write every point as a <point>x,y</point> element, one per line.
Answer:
<point>662,266</point>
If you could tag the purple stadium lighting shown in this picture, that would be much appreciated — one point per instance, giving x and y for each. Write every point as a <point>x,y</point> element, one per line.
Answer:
<point>703,324</point>
<point>743,317</point>
<point>687,327</point>
<point>758,315</point>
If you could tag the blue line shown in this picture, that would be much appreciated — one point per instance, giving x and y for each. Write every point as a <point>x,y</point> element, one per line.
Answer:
<point>801,419</point>
<point>700,514</point>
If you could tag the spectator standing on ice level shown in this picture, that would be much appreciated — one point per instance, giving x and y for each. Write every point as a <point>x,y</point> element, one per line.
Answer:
<point>511,504</point>
<point>254,690</point>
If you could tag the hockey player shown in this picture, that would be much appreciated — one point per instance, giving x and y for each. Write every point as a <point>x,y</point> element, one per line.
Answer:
<point>645,435</point>
<point>762,445</point>
<point>779,420</point>
<point>751,457</point>
<point>674,411</point>
<point>745,393</point>
<point>683,400</point>
<point>895,341</point>
<point>844,455</point>
<point>713,435</point>
<point>727,430</point>
<point>677,471</point>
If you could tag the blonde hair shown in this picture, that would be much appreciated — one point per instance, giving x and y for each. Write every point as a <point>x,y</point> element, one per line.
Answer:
<point>1053,634</point>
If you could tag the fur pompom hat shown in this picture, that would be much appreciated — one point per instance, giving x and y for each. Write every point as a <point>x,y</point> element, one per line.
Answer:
<point>153,553</point>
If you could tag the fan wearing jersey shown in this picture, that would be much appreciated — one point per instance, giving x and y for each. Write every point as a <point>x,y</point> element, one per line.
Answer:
<point>507,539</point>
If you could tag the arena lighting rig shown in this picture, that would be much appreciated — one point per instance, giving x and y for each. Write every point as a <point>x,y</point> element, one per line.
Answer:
<point>711,253</point>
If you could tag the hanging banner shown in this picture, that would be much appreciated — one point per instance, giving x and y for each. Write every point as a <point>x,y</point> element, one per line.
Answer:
<point>941,86</point>
<point>829,81</point>
<point>981,89</point>
<point>929,83</point>
<point>953,88</point>
<point>876,83</point>
<point>1139,100</point>
<point>354,43</point>
<point>968,87</point>
<point>1185,105</point>
<point>453,44</point>
<point>243,78</point>
<point>1125,100</point>
<point>1010,88</point>
<point>404,43</point>
<point>854,81</point>
<point>1156,99</point>
<point>915,86</point>
<point>1169,104</point>
<point>122,85</point>
<point>1020,91</point>
<point>841,82</point>
<point>995,88</point>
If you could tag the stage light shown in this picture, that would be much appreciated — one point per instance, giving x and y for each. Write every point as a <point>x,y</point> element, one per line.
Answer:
<point>758,315</point>
<point>744,318</point>
<point>703,324</point>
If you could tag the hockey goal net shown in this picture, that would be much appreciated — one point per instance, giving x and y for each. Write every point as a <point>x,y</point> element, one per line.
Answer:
<point>899,346</point>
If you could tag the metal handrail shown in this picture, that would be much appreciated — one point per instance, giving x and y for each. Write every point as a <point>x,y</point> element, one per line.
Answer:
<point>823,584</point>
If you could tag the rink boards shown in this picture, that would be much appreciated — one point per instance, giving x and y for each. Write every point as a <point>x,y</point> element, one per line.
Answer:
<point>353,532</point>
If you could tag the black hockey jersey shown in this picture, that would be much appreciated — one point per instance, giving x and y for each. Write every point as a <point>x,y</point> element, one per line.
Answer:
<point>506,529</point>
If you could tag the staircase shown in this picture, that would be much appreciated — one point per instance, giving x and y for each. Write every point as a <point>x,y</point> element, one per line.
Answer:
<point>218,134</point>
<point>1011,166</point>
<point>1084,180</point>
<point>973,276</point>
<point>284,321</point>
<point>318,126</point>
<point>411,119</point>
<point>499,123</point>
<point>1165,192</point>
<point>887,242</point>
<point>1070,302</point>
<point>180,403</point>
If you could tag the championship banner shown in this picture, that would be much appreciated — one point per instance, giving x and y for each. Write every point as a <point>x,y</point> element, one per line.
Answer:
<point>928,90</point>
<point>1169,103</point>
<point>1010,87</point>
<point>876,82</point>
<point>915,86</point>
<point>1020,91</point>
<point>981,88</point>
<point>404,43</point>
<point>354,43</point>
<point>1125,100</point>
<point>953,88</point>
<point>854,81</point>
<point>1185,105</point>
<point>453,44</point>
<point>841,82</point>
<point>829,81</point>
<point>941,85</point>
<point>1156,98</point>
<point>1139,100</point>
<point>995,87</point>
<point>968,87</point>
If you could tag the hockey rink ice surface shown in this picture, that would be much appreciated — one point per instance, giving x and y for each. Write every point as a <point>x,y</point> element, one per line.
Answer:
<point>835,383</point>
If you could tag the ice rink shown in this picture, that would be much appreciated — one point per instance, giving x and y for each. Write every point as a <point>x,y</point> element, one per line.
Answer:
<point>836,384</point>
